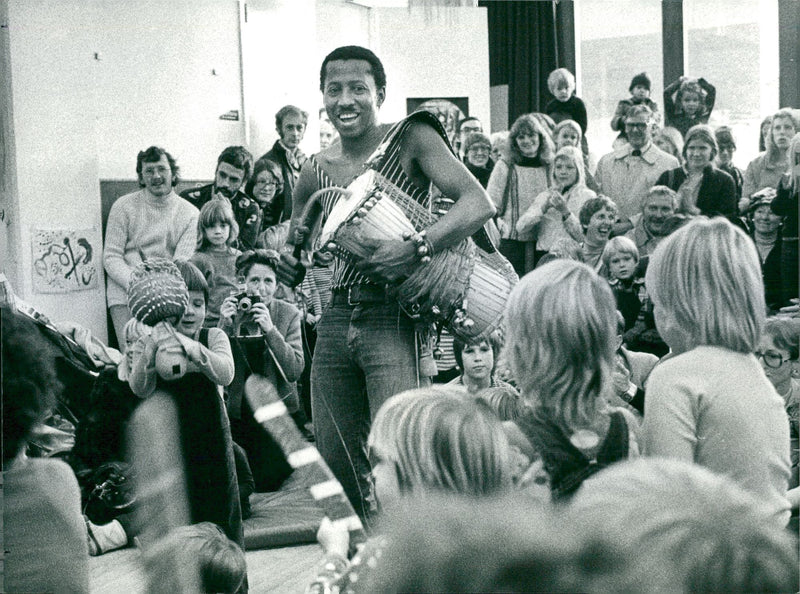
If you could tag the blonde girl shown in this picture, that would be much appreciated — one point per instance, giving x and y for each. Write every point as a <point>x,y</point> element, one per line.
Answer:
<point>216,255</point>
<point>554,212</point>
<point>709,402</point>
<point>561,348</point>
<point>514,184</point>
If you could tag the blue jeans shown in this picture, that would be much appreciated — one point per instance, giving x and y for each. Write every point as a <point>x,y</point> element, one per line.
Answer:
<point>364,355</point>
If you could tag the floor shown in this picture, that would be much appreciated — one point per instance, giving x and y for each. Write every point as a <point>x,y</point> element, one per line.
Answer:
<point>286,570</point>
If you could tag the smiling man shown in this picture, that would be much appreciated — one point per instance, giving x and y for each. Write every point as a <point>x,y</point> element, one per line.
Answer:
<point>153,221</point>
<point>650,227</point>
<point>290,123</point>
<point>234,166</point>
<point>626,174</point>
<point>367,348</point>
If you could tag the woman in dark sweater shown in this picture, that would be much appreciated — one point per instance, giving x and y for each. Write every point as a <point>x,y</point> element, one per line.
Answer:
<point>703,188</point>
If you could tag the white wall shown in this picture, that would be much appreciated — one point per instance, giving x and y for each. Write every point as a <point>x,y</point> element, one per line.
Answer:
<point>95,81</point>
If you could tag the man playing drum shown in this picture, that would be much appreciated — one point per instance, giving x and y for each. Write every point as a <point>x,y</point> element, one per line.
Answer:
<point>367,348</point>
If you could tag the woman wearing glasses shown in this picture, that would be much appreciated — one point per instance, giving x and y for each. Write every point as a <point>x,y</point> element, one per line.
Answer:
<point>266,183</point>
<point>477,156</point>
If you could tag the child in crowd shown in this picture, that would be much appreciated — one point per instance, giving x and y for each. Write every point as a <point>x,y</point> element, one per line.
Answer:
<point>727,146</point>
<point>196,558</point>
<point>563,362</point>
<point>640,94</point>
<point>265,339</point>
<point>216,255</point>
<point>566,105</point>
<point>621,259</point>
<point>670,141</point>
<point>686,529</point>
<point>554,213</point>
<point>205,432</point>
<point>499,145</point>
<point>688,102</point>
<point>423,442</point>
<point>266,183</point>
<point>710,402</point>
<point>476,360</point>
<point>779,353</point>
<point>568,133</point>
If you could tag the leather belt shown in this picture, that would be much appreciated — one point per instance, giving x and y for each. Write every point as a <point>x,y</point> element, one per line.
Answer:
<point>361,294</point>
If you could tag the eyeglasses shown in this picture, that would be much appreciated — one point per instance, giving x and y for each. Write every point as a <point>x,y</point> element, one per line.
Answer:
<point>771,359</point>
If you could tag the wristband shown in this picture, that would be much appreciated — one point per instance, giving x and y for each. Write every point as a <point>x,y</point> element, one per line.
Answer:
<point>423,246</point>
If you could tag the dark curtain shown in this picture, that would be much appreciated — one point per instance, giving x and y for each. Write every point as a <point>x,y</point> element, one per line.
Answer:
<point>523,50</point>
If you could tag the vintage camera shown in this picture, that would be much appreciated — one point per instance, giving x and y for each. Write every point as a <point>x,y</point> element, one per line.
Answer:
<point>245,302</point>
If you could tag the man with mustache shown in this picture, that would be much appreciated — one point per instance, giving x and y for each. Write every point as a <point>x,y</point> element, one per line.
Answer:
<point>650,227</point>
<point>368,348</point>
<point>625,175</point>
<point>234,166</point>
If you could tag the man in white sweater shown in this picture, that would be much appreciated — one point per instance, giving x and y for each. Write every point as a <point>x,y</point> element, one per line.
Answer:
<point>153,221</point>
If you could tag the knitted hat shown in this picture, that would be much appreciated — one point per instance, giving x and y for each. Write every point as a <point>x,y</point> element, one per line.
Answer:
<point>157,291</point>
<point>725,136</point>
<point>640,79</point>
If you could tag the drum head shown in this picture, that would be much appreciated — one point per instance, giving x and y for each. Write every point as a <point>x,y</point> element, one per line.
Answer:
<point>346,206</point>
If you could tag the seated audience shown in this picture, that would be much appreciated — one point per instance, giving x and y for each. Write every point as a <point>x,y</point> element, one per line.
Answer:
<point>621,259</point>
<point>476,360</point>
<point>424,442</point>
<point>686,529</point>
<point>153,222</point>
<point>688,102</point>
<point>561,321</point>
<point>265,339</point>
<point>703,189</point>
<point>650,226</point>
<point>710,402</point>
<point>766,170</point>
<point>554,213</point>
<point>44,536</point>
<point>205,431</point>
<point>597,216</point>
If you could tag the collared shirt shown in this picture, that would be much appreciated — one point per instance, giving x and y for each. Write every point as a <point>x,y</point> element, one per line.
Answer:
<point>644,240</point>
<point>626,178</point>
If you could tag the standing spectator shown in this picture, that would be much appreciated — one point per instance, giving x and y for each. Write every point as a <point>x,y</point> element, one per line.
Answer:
<point>477,150</point>
<point>670,141</point>
<point>499,145</point>
<point>153,221</point>
<point>265,187</point>
<point>566,105</point>
<point>234,165</point>
<point>727,146</point>
<point>710,402</point>
<point>515,183</point>
<point>767,168</point>
<point>568,133</point>
<point>688,102</point>
<point>640,94</point>
<point>466,127</point>
<point>290,122</point>
<point>703,189</point>
<point>627,174</point>
<point>44,536</point>
<point>787,205</point>
<point>650,226</point>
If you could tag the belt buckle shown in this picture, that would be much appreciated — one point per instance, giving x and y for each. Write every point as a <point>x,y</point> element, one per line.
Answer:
<point>350,301</point>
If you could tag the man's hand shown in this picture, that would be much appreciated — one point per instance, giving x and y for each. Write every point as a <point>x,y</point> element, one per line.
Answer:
<point>291,271</point>
<point>261,317</point>
<point>390,260</point>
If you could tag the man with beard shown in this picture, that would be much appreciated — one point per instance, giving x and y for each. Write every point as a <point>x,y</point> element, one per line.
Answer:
<point>650,227</point>
<point>625,175</point>
<point>368,348</point>
<point>234,166</point>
